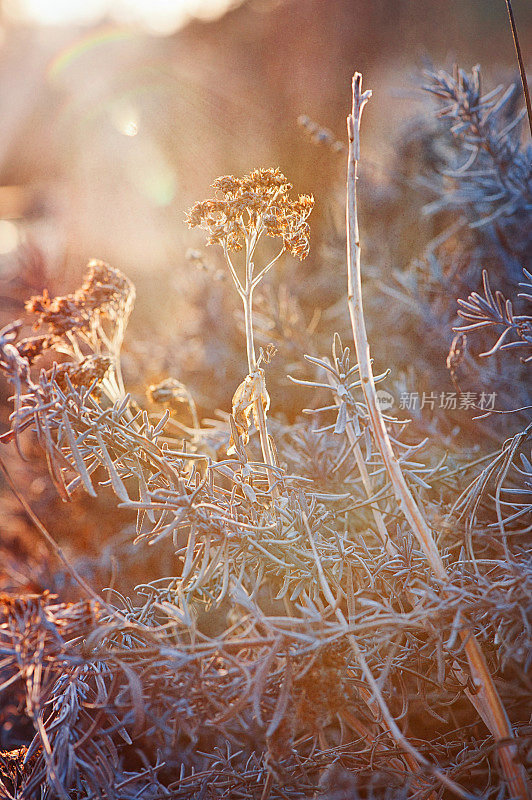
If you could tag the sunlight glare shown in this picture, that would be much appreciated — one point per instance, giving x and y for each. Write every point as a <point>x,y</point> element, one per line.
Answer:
<point>57,12</point>
<point>156,16</point>
<point>125,118</point>
<point>9,237</point>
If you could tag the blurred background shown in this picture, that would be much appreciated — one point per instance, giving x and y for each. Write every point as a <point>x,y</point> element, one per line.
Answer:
<point>116,115</point>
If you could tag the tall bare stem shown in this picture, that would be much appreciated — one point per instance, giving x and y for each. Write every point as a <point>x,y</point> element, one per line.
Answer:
<point>245,290</point>
<point>247,301</point>
<point>486,700</point>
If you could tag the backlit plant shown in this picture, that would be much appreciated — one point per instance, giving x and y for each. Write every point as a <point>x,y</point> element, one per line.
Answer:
<point>245,210</point>
<point>322,622</point>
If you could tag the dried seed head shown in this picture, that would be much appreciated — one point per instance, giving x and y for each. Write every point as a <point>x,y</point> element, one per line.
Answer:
<point>255,203</point>
<point>168,391</point>
<point>84,373</point>
<point>34,346</point>
<point>107,290</point>
<point>105,293</point>
<point>61,314</point>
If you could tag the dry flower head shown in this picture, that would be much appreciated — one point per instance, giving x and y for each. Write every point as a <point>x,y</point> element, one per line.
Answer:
<point>92,369</point>
<point>105,294</point>
<point>251,205</point>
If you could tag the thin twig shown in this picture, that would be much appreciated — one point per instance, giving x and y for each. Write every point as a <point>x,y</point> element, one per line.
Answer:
<point>522,70</point>
<point>89,591</point>
<point>487,700</point>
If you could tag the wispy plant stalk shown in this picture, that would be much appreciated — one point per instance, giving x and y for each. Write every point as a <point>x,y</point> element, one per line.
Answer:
<point>486,701</point>
<point>520,63</point>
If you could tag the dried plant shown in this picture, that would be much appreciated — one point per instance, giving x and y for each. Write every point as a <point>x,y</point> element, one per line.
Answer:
<point>508,475</point>
<point>320,632</point>
<point>495,180</point>
<point>247,209</point>
<point>495,310</point>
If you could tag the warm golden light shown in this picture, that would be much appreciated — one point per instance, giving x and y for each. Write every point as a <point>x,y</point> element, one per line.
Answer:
<point>9,237</point>
<point>157,16</point>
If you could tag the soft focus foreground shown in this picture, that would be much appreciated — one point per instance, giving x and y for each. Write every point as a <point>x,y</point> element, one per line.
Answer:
<point>293,593</point>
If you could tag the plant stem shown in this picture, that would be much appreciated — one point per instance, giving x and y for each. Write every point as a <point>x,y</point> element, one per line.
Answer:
<point>247,300</point>
<point>391,724</point>
<point>265,444</point>
<point>486,699</point>
<point>246,293</point>
<point>354,299</point>
<point>56,549</point>
<point>522,70</point>
<point>366,480</point>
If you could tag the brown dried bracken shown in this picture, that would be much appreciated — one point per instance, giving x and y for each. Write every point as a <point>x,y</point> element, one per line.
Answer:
<point>257,203</point>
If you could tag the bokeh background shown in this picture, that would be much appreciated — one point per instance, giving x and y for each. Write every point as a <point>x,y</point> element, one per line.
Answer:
<point>116,115</point>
